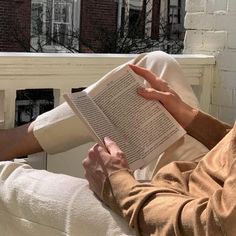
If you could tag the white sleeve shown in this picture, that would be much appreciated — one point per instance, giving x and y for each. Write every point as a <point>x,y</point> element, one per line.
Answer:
<point>60,129</point>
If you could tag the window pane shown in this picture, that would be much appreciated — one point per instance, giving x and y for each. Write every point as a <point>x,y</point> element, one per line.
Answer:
<point>62,12</point>
<point>59,22</point>
<point>32,102</point>
<point>111,26</point>
<point>37,18</point>
<point>136,18</point>
<point>60,33</point>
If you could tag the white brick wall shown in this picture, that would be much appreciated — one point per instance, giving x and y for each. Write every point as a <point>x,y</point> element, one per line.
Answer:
<point>231,40</point>
<point>214,40</point>
<point>226,61</point>
<point>216,5</point>
<point>195,5</point>
<point>231,5</point>
<point>194,40</point>
<point>199,21</point>
<point>211,29</point>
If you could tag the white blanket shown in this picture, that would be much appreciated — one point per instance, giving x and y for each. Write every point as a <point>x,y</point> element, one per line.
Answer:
<point>37,202</point>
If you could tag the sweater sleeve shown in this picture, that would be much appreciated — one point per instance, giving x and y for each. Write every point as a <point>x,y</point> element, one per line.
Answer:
<point>161,209</point>
<point>128,197</point>
<point>207,130</point>
<point>123,194</point>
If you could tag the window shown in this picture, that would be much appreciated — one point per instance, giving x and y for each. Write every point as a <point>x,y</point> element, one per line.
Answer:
<point>136,18</point>
<point>140,18</point>
<point>32,102</point>
<point>38,16</point>
<point>59,21</point>
<point>53,22</point>
<point>174,12</point>
<point>132,18</point>
<point>155,20</point>
<point>175,18</point>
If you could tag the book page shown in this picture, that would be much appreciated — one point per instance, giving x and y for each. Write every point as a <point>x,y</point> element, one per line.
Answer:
<point>101,126</point>
<point>147,125</point>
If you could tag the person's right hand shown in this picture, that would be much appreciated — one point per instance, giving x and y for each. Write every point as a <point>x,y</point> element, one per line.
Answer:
<point>161,91</point>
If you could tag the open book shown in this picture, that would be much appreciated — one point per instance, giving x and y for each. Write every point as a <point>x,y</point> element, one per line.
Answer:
<point>112,108</point>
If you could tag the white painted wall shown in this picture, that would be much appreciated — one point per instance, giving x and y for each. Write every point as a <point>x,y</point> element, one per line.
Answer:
<point>211,29</point>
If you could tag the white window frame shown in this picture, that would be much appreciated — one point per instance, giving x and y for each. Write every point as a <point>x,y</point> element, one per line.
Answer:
<point>74,23</point>
<point>55,23</point>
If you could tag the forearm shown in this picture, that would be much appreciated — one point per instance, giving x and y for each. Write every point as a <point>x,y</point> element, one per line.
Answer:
<point>207,129</point>
<point>126,196</point>
<point>18,142</point>
<point>160,209</point>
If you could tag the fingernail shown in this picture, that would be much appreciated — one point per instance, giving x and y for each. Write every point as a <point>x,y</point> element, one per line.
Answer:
<point>107,140</point>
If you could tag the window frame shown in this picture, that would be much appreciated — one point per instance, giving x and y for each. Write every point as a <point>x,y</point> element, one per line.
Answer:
<point>73,24</point>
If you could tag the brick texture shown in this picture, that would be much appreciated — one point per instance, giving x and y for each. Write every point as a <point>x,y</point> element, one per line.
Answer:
<point>15,25</point>
<point>95,16</point>
<point>210,29</point>
<point>194,40</point>
<point>231,40</point>
<point>199,21</point>
<point>231,5</point>
<point>195,5</point>
<point>216,6</point>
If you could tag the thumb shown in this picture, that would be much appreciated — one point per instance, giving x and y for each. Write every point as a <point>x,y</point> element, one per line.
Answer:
<point>111,146</point>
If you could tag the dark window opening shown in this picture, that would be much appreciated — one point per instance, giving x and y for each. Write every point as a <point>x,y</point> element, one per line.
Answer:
<point>32,102</point>
<point>136,23</point>
<point>155,19</point>
<point>133,19</point>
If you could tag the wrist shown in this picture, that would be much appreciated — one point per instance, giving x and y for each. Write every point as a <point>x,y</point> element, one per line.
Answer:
<point>5,145</point>
<point>187,115</point>
<point>17,142</point>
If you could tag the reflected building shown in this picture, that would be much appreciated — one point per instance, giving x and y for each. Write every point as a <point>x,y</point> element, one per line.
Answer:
<point>82,24</point>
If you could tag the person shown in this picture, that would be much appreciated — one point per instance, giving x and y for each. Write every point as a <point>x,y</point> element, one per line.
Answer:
<point>182,198</point>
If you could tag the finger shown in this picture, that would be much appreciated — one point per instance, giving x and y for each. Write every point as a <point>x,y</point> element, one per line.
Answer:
<point>103,157</point>
<point>100,152</point>
<point>149,76</point>
<point>111,146</point>
<point>91,158</point>
<point>85,163</point>
<point>146,74</point>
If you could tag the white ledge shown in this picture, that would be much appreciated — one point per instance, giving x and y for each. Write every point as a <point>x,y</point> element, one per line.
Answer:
<point>63,71</point>
<point>87,55</point>
<point>191,57</point>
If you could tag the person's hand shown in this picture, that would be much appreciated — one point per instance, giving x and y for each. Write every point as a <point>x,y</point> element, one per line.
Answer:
<point>161,91</point>
<point>100,163</point>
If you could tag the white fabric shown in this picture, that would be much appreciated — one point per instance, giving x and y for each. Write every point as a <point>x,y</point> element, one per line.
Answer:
<point>34,202</point>
<point>37,202</point>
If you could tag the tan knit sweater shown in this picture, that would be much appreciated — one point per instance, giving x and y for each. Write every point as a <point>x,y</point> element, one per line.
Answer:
<point>183,198</point>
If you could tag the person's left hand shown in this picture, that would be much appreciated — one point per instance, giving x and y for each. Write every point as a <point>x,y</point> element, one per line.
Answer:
<point>100,163</point>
